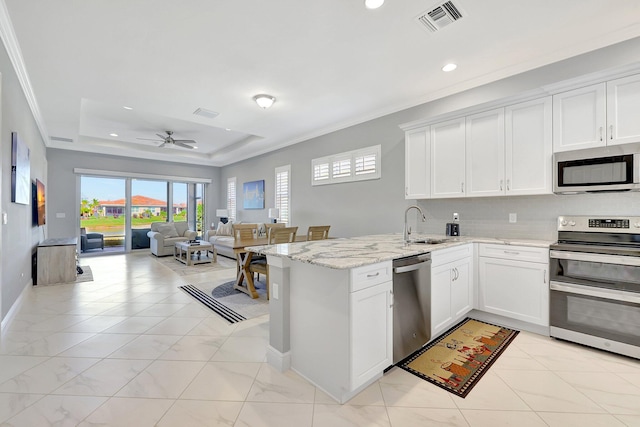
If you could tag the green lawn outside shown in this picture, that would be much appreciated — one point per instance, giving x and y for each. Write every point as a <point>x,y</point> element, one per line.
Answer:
<point>111,224</point>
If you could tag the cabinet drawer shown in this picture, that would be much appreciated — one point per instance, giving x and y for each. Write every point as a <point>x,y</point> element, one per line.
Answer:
<point>370,275</point>
<point>444,256</point>
<point>519,253</point>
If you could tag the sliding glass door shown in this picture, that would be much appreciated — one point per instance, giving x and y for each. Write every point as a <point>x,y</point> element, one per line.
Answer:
<point>102,214</point>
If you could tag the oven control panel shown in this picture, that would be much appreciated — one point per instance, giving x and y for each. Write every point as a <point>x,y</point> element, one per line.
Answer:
<point>602,224</point>
<point>608,223</point>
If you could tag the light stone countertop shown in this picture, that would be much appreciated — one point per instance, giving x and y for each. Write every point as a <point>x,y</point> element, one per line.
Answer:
<point>344,253</point>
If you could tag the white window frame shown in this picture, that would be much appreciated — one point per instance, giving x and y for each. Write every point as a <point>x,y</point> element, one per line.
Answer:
<point>278,199</point>
<point>232,198</point>
<point>332,164</point>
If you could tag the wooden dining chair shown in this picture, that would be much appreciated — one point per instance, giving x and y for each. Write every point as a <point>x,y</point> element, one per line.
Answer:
<point>318,232</point>
<point>244,231</point>
<point>276,235</point>
<point>269,226</point>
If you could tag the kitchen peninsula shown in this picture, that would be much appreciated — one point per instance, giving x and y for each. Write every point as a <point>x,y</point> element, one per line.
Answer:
<point>331,306</point>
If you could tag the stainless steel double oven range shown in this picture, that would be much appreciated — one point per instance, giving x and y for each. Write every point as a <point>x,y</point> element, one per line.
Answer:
<point>595,283</point>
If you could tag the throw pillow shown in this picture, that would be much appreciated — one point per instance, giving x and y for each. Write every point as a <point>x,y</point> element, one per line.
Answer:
<point>224,229</point>
<point>168,230</point>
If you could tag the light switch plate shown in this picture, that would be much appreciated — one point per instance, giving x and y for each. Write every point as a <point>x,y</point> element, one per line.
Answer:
<point>513,217</point>
<point>274,290</point>
<point>4,218</point>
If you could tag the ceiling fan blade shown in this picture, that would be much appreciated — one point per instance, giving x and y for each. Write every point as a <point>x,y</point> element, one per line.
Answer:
<point>162,145</point>
<point>163,137</point>
<point>180,144</point>
<point>185,141</point>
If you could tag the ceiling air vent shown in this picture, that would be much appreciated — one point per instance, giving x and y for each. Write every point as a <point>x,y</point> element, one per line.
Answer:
<point>440,16</point>
<point>60,139</point>
<point>206,113</point>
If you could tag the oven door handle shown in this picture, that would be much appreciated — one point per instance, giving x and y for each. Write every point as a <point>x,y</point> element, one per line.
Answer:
<point>589,257</point>
<point>591,291</point>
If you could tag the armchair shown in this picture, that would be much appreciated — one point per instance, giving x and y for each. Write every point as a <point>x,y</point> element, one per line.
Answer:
<point>164,235</point>
<point>90,240</point>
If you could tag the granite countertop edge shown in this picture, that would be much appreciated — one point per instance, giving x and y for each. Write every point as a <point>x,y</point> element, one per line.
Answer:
<point>347,253</point>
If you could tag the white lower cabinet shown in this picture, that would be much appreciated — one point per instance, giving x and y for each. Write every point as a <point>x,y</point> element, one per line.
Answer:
<point>371,332</point>
<point>513,282</point>
<point>451,287</point>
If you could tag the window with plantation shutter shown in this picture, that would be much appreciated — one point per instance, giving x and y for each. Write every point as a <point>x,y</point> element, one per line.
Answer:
<point>357,165</point>
<point>231,198</point>
<point>283,193</point>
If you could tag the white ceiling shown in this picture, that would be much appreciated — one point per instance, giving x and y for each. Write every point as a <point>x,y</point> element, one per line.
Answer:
<point>329,63</point>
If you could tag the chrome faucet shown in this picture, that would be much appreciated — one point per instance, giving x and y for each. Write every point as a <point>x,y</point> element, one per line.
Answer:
<point>407,229</point>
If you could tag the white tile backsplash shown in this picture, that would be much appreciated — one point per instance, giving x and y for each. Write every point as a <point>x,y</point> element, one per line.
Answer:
<point>536,215</point>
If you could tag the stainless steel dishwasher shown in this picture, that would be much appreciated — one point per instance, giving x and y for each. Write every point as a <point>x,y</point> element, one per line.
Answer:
<point>411,304</point>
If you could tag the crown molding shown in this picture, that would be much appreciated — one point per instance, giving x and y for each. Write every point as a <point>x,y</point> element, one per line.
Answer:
<point>10,42</point>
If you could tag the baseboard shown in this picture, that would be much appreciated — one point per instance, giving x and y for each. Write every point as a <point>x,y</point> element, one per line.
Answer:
<point>6,321</point>
<point>280,361</point>
<point>508,322</point>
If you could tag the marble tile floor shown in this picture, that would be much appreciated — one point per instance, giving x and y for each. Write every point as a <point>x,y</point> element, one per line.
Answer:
<point>130,349</point>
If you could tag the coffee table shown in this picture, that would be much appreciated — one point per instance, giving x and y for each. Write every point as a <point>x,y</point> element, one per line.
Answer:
<point>195,253</point>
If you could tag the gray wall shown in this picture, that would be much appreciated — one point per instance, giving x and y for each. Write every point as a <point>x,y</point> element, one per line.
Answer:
<point>371,207</point>
<point>18,237</point>
<point>62,195</point>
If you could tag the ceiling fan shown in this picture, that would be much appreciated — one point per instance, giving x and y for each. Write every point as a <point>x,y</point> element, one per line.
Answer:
<point>168,140</point>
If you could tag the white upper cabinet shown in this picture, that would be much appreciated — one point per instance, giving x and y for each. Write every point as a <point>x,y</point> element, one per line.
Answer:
<point>529,148</point>
<point>579,118</point>
<point>623,110</point>
<point>417,161</point>
<point>485,152</point>
<point>597,115</point>
<point>448,159</point>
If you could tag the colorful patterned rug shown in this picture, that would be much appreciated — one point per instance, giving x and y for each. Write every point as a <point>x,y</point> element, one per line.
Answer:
<point>457,359</point>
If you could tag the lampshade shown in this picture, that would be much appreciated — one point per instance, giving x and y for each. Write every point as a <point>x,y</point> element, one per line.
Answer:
<point>274,213</point>
<point>222,213</point>
<point>264,101</point>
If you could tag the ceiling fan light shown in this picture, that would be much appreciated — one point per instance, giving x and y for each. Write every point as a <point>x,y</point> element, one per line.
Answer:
<point>373,4</point>
<point>264,101</point>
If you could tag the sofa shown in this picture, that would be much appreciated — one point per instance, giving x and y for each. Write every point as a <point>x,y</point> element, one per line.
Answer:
<point>164,235</point>
<point>224,232</point>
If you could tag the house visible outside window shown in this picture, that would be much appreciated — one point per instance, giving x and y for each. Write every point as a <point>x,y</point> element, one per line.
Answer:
<point>231,198</point>
<point>283,193</point>
<point>357,165</point>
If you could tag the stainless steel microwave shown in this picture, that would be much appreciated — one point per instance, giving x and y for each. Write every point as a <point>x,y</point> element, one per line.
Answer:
<point>612,168</point>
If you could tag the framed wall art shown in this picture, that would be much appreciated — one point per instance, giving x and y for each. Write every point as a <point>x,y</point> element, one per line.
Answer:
<point>253,195</point>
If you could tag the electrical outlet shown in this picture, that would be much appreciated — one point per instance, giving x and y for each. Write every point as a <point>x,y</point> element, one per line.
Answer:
<point>513,217</point>
<point>456,217</point>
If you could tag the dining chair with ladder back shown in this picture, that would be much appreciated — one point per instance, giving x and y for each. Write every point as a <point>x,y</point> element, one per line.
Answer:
<point>318,232</point>
<point>244,231</point>
<point>274,225</point>
<point>276,235</point>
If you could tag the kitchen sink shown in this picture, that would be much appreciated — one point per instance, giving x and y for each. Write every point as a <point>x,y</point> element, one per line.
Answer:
<point>429,241</point>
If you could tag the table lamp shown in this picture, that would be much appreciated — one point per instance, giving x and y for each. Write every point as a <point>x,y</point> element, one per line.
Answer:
<point>274,213</point>
<point>223,214</point>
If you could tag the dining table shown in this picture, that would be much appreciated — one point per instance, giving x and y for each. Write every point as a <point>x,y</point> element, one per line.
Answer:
<point>244,279</point>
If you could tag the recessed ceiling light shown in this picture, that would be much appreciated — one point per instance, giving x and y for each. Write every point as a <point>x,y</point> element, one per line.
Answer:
<point>228,130</point>
<point>264,101</point>
<point>373,4</point>
<point>113,134</point>
<point>127,108</point>
<point>449,67</point>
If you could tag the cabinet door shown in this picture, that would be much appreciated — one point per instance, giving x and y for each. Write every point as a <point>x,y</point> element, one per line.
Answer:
<point>484,149</point>
<point>417,162</point>
<point>461,289</point>
<point>623,110</point>
<point>515,289</point>
<point>371,332</point>
<point>440,298</point>
<point>529,148</point>
<point>447,159</point>
<point>579,118</point>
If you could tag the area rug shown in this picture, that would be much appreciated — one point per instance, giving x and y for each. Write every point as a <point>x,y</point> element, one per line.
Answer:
<point>86,276</point>
<point>229,303</point>
<point>186,270</point>
<point>457,359</point>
